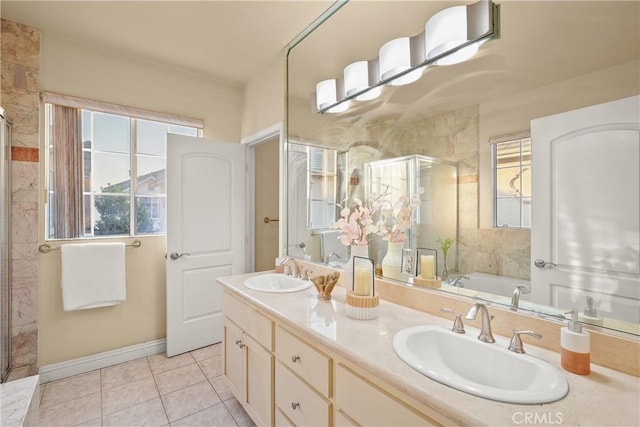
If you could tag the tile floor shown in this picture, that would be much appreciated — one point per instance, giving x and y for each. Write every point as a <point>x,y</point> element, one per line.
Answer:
<point>184,390</point>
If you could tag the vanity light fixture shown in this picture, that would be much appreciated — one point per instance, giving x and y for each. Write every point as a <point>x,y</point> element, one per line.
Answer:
<point>395,58</point>
<point>327,97</point>
<point>357,77</point>
<point>451,36</point>
<point>446,31</point>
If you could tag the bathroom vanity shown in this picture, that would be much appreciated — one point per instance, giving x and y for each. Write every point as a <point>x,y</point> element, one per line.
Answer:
<point>292,359</point>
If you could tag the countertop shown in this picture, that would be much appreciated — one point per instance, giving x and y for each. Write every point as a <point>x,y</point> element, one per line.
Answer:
<point>605,397</point>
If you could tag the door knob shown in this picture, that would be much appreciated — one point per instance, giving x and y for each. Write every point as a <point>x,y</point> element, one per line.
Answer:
<point>176,255</point>
<point>540,263</point>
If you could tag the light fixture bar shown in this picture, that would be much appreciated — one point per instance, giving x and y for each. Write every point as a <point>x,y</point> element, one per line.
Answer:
<point>482,25</point>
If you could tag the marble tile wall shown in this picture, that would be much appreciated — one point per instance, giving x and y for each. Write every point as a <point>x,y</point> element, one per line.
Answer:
<point>454,136</point>
<point>20,86</point>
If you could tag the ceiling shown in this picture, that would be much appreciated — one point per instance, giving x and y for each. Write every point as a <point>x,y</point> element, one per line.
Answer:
<point>541,42</point>
<point>228,40</point>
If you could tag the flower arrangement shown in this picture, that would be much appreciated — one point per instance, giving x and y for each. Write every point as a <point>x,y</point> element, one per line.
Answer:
<point>356,223</point>
<point>396,218</point>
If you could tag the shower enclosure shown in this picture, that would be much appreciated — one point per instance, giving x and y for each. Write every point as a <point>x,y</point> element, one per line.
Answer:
<point>5,246</point>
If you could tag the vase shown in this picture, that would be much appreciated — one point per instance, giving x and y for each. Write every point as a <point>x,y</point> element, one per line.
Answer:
<point>361,251</point>
<point>445,270</point>
<point>392,261</point>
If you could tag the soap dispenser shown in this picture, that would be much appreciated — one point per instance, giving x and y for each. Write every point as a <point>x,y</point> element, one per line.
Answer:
<point>575,353</point>
<point>590,314</point>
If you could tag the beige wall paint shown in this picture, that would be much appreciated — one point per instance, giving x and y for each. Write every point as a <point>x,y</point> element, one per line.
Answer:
<point>68,335</point>
<point>267,171</point>
<point>264,97</point>
<point>72,68</point>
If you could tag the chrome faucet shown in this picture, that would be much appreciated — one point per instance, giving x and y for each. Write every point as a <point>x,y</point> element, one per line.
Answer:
<point>328,257</point>
<point>295,271</point>
<point>485,330</point>
<point>516,342</point>
<point>515,298</point>
<point>456,281</point>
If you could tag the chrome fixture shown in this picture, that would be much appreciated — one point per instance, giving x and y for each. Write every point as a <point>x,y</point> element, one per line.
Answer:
<point>451,36</point>
<point>458,326</point>
<point>485,330</point>
<point>295,271</point>
<point>456,281</point>
<point>540,263</point>
<point>516,342</point>
<point>515,298</point>
<point>45,248</point>
<point>328,257</point>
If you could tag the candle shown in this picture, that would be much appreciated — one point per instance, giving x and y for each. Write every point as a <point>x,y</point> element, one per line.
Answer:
<point>427,267</point>
<point>362,282</point>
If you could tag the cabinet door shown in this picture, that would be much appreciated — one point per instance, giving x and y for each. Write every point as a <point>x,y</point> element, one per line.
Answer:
<point>232,341</point>
<point>258,398</point>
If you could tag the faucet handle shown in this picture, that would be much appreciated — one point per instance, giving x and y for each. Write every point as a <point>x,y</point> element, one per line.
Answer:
<point>516,342</point>
<point>458,326</point>
<point>306,274</point>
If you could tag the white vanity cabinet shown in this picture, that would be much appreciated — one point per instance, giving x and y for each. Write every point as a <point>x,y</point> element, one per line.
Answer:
<point>248,359</point>
<point>285,378</point>
<point>303,381</point>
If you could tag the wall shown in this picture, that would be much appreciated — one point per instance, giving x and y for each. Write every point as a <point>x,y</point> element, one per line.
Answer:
<point>20,83</point>
<point>264,97</point>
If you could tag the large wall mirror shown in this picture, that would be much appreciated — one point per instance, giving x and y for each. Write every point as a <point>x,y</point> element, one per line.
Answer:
<point>433,140</point>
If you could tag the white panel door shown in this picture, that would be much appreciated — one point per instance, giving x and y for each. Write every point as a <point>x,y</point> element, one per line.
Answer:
<point>205,236</point>
<point>585,211</point>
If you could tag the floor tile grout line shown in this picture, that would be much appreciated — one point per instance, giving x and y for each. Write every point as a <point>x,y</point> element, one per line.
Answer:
<point>166,414</point>
<point>204,409</point>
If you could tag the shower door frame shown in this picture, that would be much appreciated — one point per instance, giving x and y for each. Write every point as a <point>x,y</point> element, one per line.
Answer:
<point>5,247</point>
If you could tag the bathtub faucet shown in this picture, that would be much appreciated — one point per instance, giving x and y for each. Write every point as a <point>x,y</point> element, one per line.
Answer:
<point>515,298</point>
<point>456,281</point>
<point>331,255</point>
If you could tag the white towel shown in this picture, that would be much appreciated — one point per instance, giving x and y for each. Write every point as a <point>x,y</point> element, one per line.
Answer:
<point>93,275</point>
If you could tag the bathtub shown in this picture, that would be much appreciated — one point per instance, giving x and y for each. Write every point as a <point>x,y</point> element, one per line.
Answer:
<point>496,285</point>
<point>499,290</point>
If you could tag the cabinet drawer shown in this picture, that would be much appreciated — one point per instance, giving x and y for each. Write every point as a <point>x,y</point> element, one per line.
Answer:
<point>299,402</point>
<point>367,404</point>
<point>255,324</point>
<point>310,364</point>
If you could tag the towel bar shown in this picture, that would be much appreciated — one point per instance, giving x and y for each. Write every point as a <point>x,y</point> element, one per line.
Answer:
<point>47,248</point>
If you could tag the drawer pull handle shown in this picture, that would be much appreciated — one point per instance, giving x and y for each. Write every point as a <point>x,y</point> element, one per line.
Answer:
<point>241,345</point>
<point>295,405</point>
<point>238,342</point>
<point>294,359</point>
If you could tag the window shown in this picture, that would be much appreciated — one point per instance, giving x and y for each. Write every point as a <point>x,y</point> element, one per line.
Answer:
<point>321,170</point>
<point>512,180</point>
<point>122,164</point>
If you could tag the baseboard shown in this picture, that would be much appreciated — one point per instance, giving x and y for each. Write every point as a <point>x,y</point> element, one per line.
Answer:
<point>101,360</point>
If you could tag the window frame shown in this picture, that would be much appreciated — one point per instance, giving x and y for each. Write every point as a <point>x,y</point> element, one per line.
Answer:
<point>495,141</point>
<point>134,116</point>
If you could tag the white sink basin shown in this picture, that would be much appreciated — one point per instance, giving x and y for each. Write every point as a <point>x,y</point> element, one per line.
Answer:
<point>272,282</point>
<point>491,371</point>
